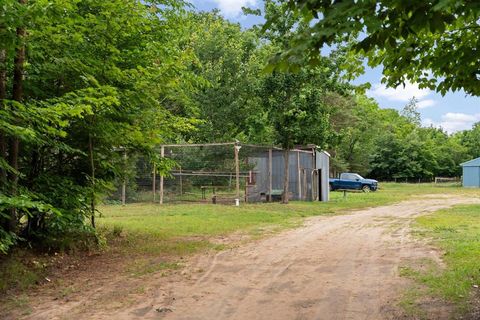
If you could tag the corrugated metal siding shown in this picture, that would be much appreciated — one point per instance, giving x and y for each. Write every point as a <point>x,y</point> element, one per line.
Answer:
<point>261,178</point>
<point>471,176</point>
<point>300,181</point>
<point>323,164</point>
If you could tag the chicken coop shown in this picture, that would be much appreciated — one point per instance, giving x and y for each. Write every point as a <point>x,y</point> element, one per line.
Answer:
<point>308,170</point>
<point>229,173</point>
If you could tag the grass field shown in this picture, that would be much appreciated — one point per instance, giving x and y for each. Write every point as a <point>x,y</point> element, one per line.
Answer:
<point>182,228</point>
<point>155,237</point>
<point>456,232</point>
<point>185,228</point>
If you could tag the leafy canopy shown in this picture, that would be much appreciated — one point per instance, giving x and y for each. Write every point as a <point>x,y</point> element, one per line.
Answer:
<point>433,43</point>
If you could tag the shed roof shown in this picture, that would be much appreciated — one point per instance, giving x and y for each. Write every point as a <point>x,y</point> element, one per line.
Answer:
<point>471,163</point>
<point>325,152</point>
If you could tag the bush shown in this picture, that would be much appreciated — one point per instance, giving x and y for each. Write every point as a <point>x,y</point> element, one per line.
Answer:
<point>7,240</point>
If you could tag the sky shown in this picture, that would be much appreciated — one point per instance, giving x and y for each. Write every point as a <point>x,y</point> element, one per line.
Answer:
<point>453,112</point>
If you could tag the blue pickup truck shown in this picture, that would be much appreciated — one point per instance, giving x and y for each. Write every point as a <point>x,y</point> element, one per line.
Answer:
<point>353,181</point>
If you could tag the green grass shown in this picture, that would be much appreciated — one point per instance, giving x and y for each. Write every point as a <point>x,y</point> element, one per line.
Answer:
<point>183,228</point>
<point>409,303</point>
<point>456,232</point>
<point>21,271</point>
<point>148,231</point>
<point>155,237</point>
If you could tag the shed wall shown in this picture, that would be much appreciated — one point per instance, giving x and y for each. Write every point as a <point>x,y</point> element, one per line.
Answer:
<point>295,160</point>
<point>323,165</point>
<point>303,177</point>
<point>471,177</point>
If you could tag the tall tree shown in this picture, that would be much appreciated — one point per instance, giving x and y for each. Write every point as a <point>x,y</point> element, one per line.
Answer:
<point>17,95</point>
<point>98,76</point>
<point>230,60</point>
<point>433,43</point>
<point>470,139</point>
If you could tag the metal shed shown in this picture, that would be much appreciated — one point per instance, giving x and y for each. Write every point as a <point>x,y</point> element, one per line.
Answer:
<point>308,175</point>
<point>471,173</point>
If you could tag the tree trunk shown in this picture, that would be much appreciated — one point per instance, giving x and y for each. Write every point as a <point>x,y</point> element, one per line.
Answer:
<point>3,96</point>
<point>17,95</point>
<point>286,174</point>
<point>5,223</point>
<point>35,220</point>
<point>92,167</point>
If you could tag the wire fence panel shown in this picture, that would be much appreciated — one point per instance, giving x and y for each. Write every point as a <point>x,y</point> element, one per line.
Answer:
<point>219,173</point>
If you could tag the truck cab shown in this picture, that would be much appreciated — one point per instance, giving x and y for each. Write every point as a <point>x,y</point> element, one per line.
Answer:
<point>353,181</point>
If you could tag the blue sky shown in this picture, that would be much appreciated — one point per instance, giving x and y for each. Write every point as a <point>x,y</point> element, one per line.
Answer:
<point>453,112</point>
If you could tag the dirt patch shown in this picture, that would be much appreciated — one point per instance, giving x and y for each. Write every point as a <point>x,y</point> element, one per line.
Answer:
<point>475,306</point>
<point>342,267</point>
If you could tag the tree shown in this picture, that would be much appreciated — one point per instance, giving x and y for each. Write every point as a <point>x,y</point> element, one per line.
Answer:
<point>470,139</point>
<point>230,60</point>
<point>432,43</point>
<point>410,112</point>
<point>296,101</point>
<point>298,111</point>
<point>86,79</point>
<point>356,123</point>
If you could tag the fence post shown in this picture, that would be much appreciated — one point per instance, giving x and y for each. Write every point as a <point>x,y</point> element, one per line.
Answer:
<point>237,174</point>
<point>305,184</point>
<point>181,182</point>
<point>162,153</point>
<point>270,175</point>
<point>299,181</point>
<point>154,182</point>
<point>124,183</point>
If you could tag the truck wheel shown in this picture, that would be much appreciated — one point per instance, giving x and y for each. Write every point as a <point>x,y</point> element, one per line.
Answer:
<point>330,187</point>
<point>366,188</point>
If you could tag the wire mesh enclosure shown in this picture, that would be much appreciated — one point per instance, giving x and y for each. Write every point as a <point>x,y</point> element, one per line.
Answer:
<point>212,173</point>
<point>227,173</point>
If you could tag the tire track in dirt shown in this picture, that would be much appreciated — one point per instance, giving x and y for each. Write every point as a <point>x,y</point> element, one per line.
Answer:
<point>341,267</point>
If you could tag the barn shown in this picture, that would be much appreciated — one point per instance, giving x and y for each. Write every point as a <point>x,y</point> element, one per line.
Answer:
<point>308,174</point>
<point>471,173</point>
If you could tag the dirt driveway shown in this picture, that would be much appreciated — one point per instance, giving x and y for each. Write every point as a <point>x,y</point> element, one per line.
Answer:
<point>341,267</point>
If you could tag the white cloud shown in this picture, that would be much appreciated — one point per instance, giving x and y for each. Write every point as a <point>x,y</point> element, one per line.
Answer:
<point>422,104</point>
<point>403,94</point>
<point>233,8</point>
<point>399,93</point>
<point>453,122</point>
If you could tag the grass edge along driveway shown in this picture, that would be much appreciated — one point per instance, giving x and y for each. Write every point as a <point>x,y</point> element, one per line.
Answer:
<point>184,228</point>
<point>456,232</point>
<point>154,237</point>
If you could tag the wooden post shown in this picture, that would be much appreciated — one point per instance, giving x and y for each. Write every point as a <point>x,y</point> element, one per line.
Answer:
<point>154,182</point>
<point>299,181</point>
<point>270,162</point>
<point>162,153</point>
<point>246,190</point>
<point>181,182</point>
<point>305,184</point>
<point>237,173</point>
<point>124,184</point>
<point>286,176</point>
